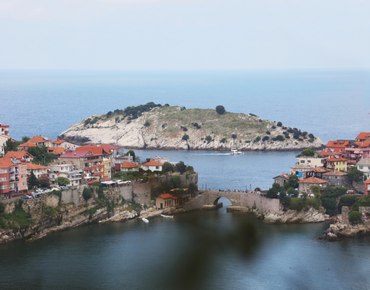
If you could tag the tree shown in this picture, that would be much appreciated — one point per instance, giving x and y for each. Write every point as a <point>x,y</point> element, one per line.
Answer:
<point>291,190</point>
<point>355,216</point>
<point>32,180</point>
<point>296,204</point>
<point>180,167</point>
<point>315,190</point>
<point>190,168</point>
<point>272,193</point>
<point>266,138</point>
<point>44,181</point>
<point>307,152</point>
<point>2,207</point>
<point>175,181</point>
<point>167,167</point>
<point>257,189</point>
<point>293,180</point>
<point>10,146</point>
<point>279,124</point>
<point>192,187</point>
<point>233,136</point>
<point>354,174</point>
<point>220,110</point>
<point>185,137</point>
<point>208,138</point>
<point>132,153</point>
<point>147,124</point>
<point>40,155</point>
<point>62,181</point>
<point>25,139</point>
<point>87,193</point>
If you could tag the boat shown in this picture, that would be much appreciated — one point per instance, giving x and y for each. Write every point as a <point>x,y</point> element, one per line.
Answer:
<point>236,152</point>
<point>167,216</point>
<point>145,220</point>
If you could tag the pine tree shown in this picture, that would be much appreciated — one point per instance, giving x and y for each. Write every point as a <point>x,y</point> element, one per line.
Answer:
<point>32,180</point>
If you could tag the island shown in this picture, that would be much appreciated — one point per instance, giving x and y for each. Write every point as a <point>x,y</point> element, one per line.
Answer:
<point>153,126</point>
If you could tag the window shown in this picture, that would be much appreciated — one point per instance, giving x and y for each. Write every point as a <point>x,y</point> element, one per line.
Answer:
<point>302,161</point>
<point>3,171</point>
<point>361,167</point>
<point>157,167</point>
<point>24,176</point>
<point>3,186</point>
<point>24,183</point>
<point>24,168</point>
<point>3,178</point>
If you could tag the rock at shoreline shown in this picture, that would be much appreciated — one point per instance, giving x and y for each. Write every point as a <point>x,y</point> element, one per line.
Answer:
<point>167,127</point>
<point>340,230</point>
<point>292,216</point>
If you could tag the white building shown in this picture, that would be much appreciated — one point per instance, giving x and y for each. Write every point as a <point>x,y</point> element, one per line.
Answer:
<point>364,166</point>
<point>65,170</point>
<point>152,165</point>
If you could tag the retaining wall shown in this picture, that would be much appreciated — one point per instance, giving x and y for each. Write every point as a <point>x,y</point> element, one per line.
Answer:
<point>251,199</point>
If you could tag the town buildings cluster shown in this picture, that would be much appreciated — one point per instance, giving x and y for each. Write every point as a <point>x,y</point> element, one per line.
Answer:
<point>330,166</point>
<point>80,164</point>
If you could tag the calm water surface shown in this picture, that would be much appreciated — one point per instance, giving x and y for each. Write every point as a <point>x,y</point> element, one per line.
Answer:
<point>198,250</point>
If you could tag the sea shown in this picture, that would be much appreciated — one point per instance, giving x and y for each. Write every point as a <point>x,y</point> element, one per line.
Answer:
<point>197,250</point>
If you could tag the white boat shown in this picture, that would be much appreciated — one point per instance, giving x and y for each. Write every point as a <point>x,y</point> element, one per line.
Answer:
<point>167,216</point>
<point>145,220</point>
<point>236,152</point>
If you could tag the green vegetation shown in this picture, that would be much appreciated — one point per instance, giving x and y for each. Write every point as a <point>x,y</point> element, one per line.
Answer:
<point>258,138</point>
<point>208,139</point>
<point>266,138</point>
<point>132,153</point>
<point>220,110</point>
<point>314,202</point>
<point>233,136</point>
<point>307,152</point>
<point>297,204</point>
<point>180,167</point>
<point>10,146</point>
<point>279,124</point>
<point>363,201</point>
<point>346,200</point>
<point>354,174</point>
<point>62,181</point>
<point>192,187</point>
<point>185,137</point>
<point>147,124</point>
<point>32,180</point>
<point>87,194</point>
<point>223,140</point>
<point>18,218</point>
<point>49,211</point>
<point>328,199</point>
<point>355,216</point>
<point>44,181</point>
<point>167,167</point>
<point>40,155</point>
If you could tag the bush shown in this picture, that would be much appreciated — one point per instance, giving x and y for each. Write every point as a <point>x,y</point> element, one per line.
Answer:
<point>167,167</point>
<point>296,204</point>
<point>258,138</point>
<point>184,128</point>
<point>208,138</point>
<point>355,216</point>
<point>146,124</point>
<point>315,203</point>
<point>2,207</point>
<point>354,174</point>
<point>175,181</point>
<point>233,136</point>
<point>87,193</point>
<point>185,137</point>
<point>180,167</point>
<point>346,200</point>
<point>291,190</point>
<point>311,136</point>
<point>220,110</point>
<point>266,138</point>
<point>273,127</point>
<point>363,201</point>
<point>307,152</point>
<point>279,124</point>
<point>192,187</point>
<point>278,138</point>
<point>223,140</point>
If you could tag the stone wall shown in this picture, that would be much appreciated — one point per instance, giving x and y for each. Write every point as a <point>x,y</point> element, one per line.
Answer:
<point>141,192</point>
<point>358,186</point>
<point>69,196</point>
<point>234,197</point>
<point>345,211</point>
<point>251,199</point>
<point>364,209</point>
<point>156,182</point>
<point>196,203</point>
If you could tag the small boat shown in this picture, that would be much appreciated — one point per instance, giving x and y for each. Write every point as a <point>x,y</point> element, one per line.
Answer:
<point>167,216</point>
<point>145,220</point>
<point>236,152</point>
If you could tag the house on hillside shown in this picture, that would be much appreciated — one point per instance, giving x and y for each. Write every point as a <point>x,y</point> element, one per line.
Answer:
<point>58,151</point>
<point>106,157</point>
<point>339,146</point>
<point>3,140</point>
<point>129,167</point>
<point>363,136</point>
<point>25,146</point>
<point>316,172</point>
<point>357,151</point>
<point>313,161</point>
<point>13,178</point>
<point>281,179</point>
<point>65,144</point>
<point>337,163</point>
<point>305,184</point>
<point>22,156</point>
<point>4,130</point>
<point>336,178</point>
<point>364,166</point>
<point>62,169</point>
<point>41,141</point>
<point>38,170</point>
<point>300,169</point>
<point>152,165</point>
<point>367,187</point>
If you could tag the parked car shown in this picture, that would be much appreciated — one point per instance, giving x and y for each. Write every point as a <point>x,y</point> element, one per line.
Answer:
<point>25,197</point>
<point>350,192</point>
<point>361,192</point>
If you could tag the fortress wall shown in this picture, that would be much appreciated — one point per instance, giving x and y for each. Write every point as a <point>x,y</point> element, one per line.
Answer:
<point>263,203</point>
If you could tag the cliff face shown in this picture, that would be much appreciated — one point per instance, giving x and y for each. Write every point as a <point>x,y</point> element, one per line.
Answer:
<point>165,127</point>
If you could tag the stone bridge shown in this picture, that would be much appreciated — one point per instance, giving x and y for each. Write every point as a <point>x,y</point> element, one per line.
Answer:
<point>240,200</point>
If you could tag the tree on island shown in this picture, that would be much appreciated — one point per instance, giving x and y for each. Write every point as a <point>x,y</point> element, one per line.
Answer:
<point>307,152</point>
<point>185,137</point>
<point>180,167</point>
<point>167,167</point>
<point>220,110</point>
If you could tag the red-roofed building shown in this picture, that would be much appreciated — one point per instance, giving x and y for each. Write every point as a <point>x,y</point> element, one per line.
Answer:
<point>316,172</point>
<point>339,164</point>
<point>38,170</point>
<point>4,130</point>
<point>58,150</point>
<point>281,179</point>
<point>338,146</point>
<point>22,156</point>
<point>41,141</point>
<point>336,178</point>
<point>363,136</point>
<point>305,184</point>
<point>25,146</point>
<point>357,151</point>
<point>326,153</point>
<point>129,167</point>
<point>367,187</point>
<point>13,178</point>
<point>152,165</point>
<point>64,144</point>
<point>105,157</point>
<point>166,200</point>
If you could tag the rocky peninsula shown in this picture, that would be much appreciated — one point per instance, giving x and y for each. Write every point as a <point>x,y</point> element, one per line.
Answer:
<point>154,126</point>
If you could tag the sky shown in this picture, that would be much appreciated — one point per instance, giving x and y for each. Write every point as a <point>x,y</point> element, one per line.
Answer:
<point>184,34</point>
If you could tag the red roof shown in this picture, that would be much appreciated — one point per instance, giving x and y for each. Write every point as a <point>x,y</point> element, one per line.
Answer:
<point>129,165</point>
<point>58,141</point>
<point>76,154</point>
<point>152,162</point>
<point>94,150</point>
<point>367,181</point>
<point>335,173</point>
<point>27,144</point>
<point>312,180</point>
<point>284,175</point>
<point>6,162</point>
<point>326,152</point>
<point>105,146</point>
<point>39,139</point>
<point>333,159</point>
<point>320,169</point>
<point>17,154</point>
<point>363,136</point>
<point>337,144</point>
<point>35,166</point>
<point>166,195</point>
<point>363,143</point>
<point>57,150</point>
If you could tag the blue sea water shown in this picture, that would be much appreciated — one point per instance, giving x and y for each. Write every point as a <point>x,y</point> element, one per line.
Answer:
<point>329,104</point>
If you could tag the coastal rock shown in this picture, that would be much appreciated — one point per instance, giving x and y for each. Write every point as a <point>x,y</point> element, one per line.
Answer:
<point>168,125</point>
<point>293,216</point>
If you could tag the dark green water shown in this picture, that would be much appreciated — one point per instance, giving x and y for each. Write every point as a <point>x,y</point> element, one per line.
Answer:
<point>197,250</point>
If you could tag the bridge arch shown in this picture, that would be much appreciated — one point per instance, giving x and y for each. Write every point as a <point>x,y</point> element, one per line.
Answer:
<point>214,196</point>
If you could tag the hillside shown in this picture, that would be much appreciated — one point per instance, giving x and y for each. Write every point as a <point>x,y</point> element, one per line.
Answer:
<point>167,127</point>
